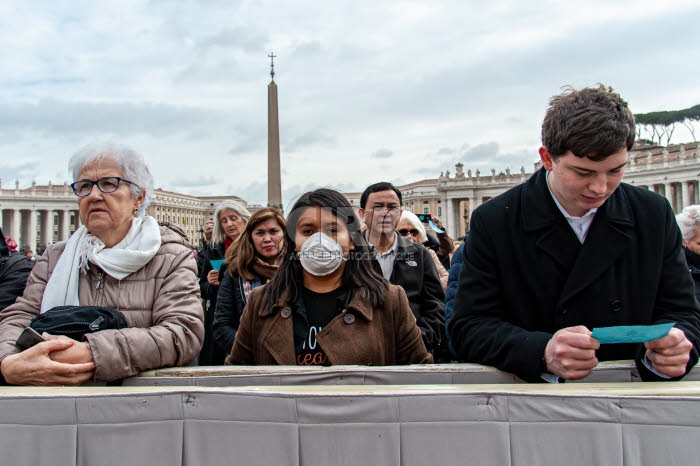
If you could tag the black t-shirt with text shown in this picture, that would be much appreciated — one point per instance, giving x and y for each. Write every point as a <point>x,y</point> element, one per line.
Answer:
<point>317,311</point>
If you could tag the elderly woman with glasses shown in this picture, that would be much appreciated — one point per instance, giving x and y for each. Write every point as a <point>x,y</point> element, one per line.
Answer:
<point>230,220</point>
<point>411,228</point>
<point>689,223</point>
<point>119,258</point>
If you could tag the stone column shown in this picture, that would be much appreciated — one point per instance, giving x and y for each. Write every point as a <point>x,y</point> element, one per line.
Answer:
<point>13,220</point>
<point>46,227</point>
<point>63,225</point>
<point>78,223</point>
<point>474,202</point>
<point>29,230</point>
<point>668,194</point>
<point>452,224</point>
<point>685,195</point>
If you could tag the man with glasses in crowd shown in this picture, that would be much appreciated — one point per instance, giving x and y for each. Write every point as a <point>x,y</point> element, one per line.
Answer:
<point>405,263</point>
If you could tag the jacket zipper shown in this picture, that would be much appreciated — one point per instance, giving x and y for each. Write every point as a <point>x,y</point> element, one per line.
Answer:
<point>99,281</point>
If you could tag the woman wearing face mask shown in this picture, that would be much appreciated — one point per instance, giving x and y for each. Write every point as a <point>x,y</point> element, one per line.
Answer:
<point>251,262</point>
<point>229,221</point>
<point>327,305</point>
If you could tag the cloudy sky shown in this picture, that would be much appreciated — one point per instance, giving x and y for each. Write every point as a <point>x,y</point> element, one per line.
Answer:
<point>368,91</point>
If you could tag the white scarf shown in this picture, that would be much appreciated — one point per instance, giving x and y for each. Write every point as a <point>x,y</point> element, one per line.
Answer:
<point>138,247</point>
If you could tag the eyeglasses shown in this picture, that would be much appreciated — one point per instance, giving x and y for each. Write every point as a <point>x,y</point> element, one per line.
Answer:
<point>106,184</point>
<point>406,231</point>
<point>385,210</point>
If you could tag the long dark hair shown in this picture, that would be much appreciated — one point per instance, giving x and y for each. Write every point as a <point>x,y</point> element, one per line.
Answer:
<point>359,271</point>
<point>242,254</point>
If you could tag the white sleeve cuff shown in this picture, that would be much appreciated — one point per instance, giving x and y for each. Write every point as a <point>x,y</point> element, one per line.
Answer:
<point>648,365</point>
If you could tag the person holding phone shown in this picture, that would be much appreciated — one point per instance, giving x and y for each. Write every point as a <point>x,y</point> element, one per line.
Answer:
<point>230,219</point>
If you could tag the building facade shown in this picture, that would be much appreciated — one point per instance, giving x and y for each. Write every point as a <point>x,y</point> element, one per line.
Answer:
<point>671,171</point>
<point>41,215</point>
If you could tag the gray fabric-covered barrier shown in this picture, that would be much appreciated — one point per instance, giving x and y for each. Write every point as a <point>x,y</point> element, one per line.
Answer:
<point>507,424</point>
<point>435,374</point>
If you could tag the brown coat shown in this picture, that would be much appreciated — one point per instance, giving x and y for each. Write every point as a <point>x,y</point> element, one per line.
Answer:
<point>362,334</point>
<point>160,302</point>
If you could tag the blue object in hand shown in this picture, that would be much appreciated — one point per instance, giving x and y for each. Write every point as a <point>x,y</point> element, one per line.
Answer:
<point>216,264</point>
<point>631,333</point>
<point>435,227</point>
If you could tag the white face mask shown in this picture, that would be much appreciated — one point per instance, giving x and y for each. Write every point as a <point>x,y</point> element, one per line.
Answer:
<point>321,255</point>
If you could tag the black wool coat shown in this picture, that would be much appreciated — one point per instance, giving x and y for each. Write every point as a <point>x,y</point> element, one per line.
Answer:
<point>526,275</point>
<point>414,271</point>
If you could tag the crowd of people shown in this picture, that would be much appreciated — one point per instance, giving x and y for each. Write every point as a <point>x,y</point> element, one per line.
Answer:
<point>569,250</point>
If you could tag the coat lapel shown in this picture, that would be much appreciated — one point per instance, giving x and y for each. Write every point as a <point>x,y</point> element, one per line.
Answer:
<point>279,333</point>
<point>606,242</point>
<point>541,216</point>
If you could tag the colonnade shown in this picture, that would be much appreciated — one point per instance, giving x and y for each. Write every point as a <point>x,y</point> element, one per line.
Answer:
<point>48,225</point>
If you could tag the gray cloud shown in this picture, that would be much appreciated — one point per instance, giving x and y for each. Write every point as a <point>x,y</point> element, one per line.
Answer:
<point>202,181</point>
<point>250,144</point>
<point>382,154</point>
<point>256,192</point>
<point>483,157</point>
<point>307,49</point>
<point>305,140</point>
<point>190,90</point>
<point>59,118</point>
<point>508,79</point>
<point>50,82</point>
<point>480,152</point>
<point>9,173</point>
<point>246,38</point>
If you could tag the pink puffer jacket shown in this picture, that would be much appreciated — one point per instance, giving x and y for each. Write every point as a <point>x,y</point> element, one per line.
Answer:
<point>160,302</point>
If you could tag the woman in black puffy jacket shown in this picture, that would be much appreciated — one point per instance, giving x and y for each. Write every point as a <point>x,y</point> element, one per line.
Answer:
<point>251,262</point>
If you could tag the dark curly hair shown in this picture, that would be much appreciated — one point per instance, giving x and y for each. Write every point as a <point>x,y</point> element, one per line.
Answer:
<point>594,122</point>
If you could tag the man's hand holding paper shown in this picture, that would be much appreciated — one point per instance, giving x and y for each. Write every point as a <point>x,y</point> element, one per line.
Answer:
<point>670,354</point>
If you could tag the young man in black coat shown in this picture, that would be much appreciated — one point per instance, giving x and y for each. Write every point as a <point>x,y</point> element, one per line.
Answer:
<point>571,249</point>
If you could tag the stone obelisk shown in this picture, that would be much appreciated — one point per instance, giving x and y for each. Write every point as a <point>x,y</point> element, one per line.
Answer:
<point>274,178</point>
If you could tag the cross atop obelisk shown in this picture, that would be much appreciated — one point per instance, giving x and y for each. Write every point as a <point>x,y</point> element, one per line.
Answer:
<point>272,65</point>
<point>274,178</point>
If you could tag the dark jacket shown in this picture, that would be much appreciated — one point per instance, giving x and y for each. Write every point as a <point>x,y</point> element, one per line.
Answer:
<point>230,303</point>
<point>451,291</point>
<point>210,355</point>
<point>526,275</point>
<point>414,271</point>
<point>693,261</point>
<point>442,245</point>
<point>361,334</point>
<point>14,270</point>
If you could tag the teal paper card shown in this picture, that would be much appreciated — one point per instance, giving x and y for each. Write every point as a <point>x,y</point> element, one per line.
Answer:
<point>216,264</point>
<point>631,333</point>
